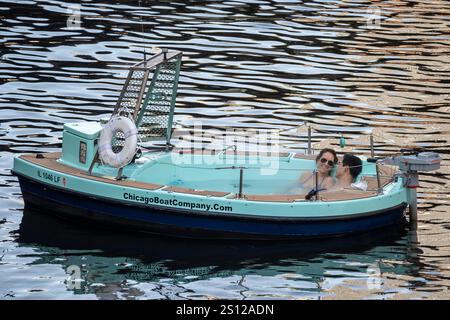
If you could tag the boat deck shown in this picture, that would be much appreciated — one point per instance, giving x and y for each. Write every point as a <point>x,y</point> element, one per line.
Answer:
<point>49,161</point>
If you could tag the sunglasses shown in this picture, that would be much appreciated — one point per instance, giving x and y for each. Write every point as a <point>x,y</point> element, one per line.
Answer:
<point>330,163</point>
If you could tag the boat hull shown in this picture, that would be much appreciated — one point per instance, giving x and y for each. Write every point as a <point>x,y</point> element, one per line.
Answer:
<point>80,208</point>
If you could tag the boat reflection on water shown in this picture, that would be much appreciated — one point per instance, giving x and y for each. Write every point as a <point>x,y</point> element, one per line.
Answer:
<point>111,260</point>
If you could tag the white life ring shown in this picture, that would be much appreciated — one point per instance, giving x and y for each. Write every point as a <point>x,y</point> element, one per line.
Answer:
<point>106,153</point>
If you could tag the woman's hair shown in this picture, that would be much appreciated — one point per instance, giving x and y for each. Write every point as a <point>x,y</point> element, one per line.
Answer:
<point>325,150</point>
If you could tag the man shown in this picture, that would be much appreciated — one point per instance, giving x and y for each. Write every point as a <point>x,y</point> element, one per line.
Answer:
<point>347,171</point>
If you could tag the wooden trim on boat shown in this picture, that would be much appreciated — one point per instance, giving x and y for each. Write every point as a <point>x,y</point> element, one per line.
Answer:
<point>372,183</point>
<point>272,197</point>
<point>196,192</point>
<point>385,170</point>
<point>345,194</point>
<point>49,161</point>
<point>341,195</point>
<point>50,155</point>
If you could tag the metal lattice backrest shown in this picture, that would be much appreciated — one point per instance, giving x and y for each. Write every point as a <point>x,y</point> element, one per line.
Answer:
<point>151,105</point>
<point>156,115</point>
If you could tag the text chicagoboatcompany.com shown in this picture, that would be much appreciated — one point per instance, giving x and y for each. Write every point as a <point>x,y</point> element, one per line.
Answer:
<point>177,203</point>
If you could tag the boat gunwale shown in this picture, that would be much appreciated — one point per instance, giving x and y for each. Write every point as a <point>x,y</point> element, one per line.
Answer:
<point>326,196</point>
<point>215,214</point>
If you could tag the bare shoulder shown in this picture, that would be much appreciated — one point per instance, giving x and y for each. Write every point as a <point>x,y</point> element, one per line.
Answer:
<point>328,182</point>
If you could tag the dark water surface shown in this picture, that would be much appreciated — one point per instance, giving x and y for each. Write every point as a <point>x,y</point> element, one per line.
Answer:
<point>343,66</point>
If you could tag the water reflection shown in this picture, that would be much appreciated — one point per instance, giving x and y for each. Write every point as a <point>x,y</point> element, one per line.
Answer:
<point>343,66</point>
<point>120,265</point>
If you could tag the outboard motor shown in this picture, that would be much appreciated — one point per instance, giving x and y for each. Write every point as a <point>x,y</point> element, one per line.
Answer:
<point>410,162</point>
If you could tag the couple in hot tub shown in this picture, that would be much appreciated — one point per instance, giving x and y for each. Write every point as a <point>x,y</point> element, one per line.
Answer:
<point>347,170</point>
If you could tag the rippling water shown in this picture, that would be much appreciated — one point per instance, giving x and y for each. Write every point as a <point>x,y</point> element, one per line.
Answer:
<point>342,66</point>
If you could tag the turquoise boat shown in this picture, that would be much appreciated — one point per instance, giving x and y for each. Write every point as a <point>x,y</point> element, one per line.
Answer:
<point>105,176</point>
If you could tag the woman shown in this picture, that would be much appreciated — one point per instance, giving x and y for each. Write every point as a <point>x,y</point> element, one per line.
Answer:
<point>325,162</point>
